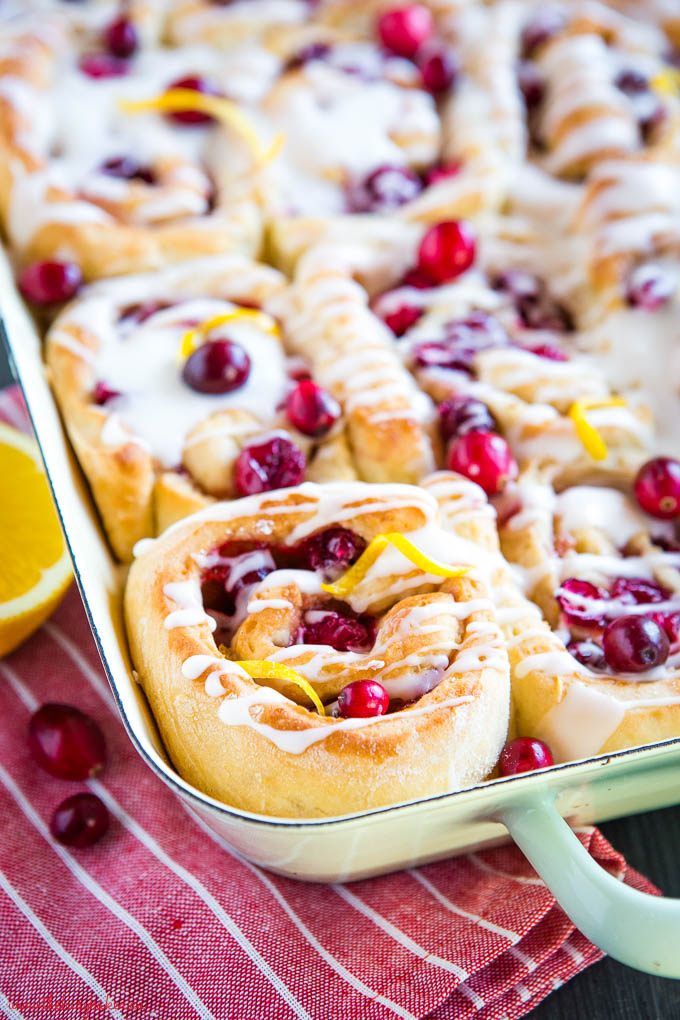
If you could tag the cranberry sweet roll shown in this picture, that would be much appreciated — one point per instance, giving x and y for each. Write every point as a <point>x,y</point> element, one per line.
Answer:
<point>176,389</point>
<point>321,650</point>
<point>121,164</point>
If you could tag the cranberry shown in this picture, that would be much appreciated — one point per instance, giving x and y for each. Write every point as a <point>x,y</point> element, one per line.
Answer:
<point>49,283</point>
<point>121,38</point>
<point>588,653</point>
<point>518,283</point>
<point>315,51</point>
<point>438,68</point>
<point>657,487</point>
<point>103,65</point>
<point>219,366</point>
<point>670,623</point>
<point>531,84</point>
<point>442,172</point>
<point>343,631</point>
<point>485,458</point>
<point>65,742</point>
<point>312,409</point>
<point>414,278</point>
<point>548,351</point>
<point>128,169</point>
<point>446,251</point>
<point>546,24</point>
<point>460,415</point>
<point>102,393</point>
<point>402,318</point>
<point>573,609</point>
<point>637,591</point>
<point>403,30</point>
<point>633,644</point>
<point>649,287</point>
<point>363,699</point>
<point>384,189</point>
<point>524,754</point>
<point>632,82</point>
<point>650,117</point>
<point>274,464</point>
<point>193,83</point>
<point>80,820</point>
<point>140,313</point>
<point>332,550</point>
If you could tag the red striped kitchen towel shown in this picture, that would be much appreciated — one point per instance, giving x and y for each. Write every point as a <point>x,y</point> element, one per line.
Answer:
<point>162,921</point>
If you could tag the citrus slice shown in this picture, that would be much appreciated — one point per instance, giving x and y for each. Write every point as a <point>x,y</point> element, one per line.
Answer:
<point>36,568</point>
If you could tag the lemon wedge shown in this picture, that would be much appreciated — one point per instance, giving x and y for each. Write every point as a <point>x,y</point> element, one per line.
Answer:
<point>36,568</point>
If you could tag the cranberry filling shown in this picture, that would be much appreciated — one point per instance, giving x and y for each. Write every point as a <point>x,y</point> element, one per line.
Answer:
<point>442,172</point>
<point>274,464</point>
<point>588,653</point>
<point>219,366</point>
<point>575,612</point>
<point>402,318</point>
<point>414,278</point>
<point>531,85</point>
<point>103,65</point>
<point>536,308</point>
<point>548,351</point>
<point>649,288</point>
<point>192,118</point>
<point>127,169</point>
<point>345,631</point>
<point>315,51</point>
<point>140,313</point>
<point>121,38</point>
<point>331,551</point>
<point>103,393</point>
<point>463,340</point>
<point>632,82</point>
<point>403,30</point>
<point>638,591</point>
<point>460,415</point>
<point>438,68</point>
<point>384,189</point>
<point>548,23</point>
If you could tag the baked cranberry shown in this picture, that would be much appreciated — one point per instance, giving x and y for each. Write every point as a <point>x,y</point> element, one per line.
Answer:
<point>438,68</point>
<point>649,287</point>
<point>637,591</point>
<point>120,38</point>
<point>652,115</point>
<point>103,65</point>
<point>219,366</point>
<point>632,82</point>
<point>402,318</point>
<point>442,172</point>
<point>128,169</point>
<point>193,83</point>
<point>484,458</point>
<point>80,820</point>
<point>588,653</point>
<point>670,623</point>
<point>65,742</point>
<point>518,283</point>
<point>546,24</point>
<point>403,30</point>
<point>531,84</point>
<point>363,699</point>
<point>311,409</point>
<point>332,551</point>
<point>574,609</point>
<point>633,644</point>
<point>140,313</point>
<point>657,487</point>
<point>384,189</point>
<point>103,393</point>
<point>524,754</point>
<point>414,278</point>
<point>315,51</point>
<point>50,283</point>
<point>274,464</point>
<point>446,251</point>
<point>343,631</point>
<point>460,415</point>
<point>548,351</point>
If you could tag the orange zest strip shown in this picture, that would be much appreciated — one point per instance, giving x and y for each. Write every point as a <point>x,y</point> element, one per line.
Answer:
<point>262,669</point>
<point>193,337</point>
<point>587,433</point>
<point>356,573</point>
<point>224,110</point>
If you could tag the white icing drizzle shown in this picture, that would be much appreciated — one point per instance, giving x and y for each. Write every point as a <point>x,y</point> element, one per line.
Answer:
<point>187,595</point>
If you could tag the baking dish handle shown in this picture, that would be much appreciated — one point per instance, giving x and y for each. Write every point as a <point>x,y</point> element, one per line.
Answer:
<point>640,930</point>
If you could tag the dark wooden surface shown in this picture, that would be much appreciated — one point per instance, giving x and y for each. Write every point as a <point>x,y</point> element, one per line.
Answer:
<point>609,991</point>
